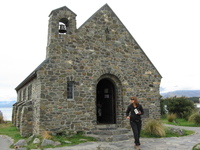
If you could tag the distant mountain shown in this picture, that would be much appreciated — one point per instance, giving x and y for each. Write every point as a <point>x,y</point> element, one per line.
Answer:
<point>6,103</point>
<point>180,93</point>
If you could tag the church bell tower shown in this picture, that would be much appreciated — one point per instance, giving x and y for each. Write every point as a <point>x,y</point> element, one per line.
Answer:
<point>62,24</point>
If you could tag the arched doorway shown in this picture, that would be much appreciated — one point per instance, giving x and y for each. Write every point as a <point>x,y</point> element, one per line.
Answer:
<point>106,102</point>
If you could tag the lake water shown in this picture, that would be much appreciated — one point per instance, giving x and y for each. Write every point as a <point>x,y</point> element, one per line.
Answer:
<point>7,113</point>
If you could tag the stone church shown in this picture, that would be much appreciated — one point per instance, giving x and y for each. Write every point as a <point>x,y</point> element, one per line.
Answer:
<point>87,77</point>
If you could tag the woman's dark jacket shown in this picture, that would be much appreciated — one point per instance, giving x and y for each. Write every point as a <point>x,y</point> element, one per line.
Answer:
<point>133,116</point>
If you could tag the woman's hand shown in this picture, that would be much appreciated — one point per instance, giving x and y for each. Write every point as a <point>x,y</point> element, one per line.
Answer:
<point>127,117</point>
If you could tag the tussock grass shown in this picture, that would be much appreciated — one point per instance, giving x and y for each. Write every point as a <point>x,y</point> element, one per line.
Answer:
<point>171,117</point>
<point>46,135</point>
<point>154,127</point>
<point>195,118</point>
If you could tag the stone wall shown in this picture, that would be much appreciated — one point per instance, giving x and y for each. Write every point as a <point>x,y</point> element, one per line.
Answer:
<point>101,48</point>
<point>26,119</point>
<point>24,114</point>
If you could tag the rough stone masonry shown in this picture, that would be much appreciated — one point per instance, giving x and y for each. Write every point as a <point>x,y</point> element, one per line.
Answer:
<point>87,77</point>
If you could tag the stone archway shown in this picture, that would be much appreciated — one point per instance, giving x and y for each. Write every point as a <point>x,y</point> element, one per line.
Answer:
<point>106,102</point>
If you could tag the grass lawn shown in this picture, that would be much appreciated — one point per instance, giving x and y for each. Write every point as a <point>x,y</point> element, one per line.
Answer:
<point>167,132</point>
<point>155,129</point>
<point>10,130</point>
<point>179,122</point>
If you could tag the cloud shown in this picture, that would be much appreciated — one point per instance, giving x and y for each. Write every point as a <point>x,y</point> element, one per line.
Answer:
<point>169,38</point>
<point>180,83</point>
<point>7,94</point>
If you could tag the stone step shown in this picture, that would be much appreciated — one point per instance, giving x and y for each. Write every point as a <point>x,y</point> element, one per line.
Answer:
<point>106,126</point>
<point>110,138</point>
<point>110,131</point>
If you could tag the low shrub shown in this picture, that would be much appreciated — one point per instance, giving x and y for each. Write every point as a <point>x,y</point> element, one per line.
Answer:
<point>171,117</point>
<point>154,127</point>
<point>1,119</point>
<point>180,106</point>
<point>195,118</point>
<point>46,135</point>
<point>196,147</point>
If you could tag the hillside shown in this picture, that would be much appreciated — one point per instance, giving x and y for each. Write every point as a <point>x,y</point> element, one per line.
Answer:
<point>6,103</point>
<point>179,93</point>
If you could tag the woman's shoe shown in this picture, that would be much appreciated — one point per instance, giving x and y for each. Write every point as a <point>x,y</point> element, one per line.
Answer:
<point>137,147</point>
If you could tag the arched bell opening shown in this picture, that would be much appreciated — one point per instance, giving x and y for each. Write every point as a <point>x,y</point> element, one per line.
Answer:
<point>63,24</point>
<point>106,102</point>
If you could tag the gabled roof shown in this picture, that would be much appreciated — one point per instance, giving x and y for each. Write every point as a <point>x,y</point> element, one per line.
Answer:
<point>34,73</point>
<point>61,8</point>
<point>106,5</point>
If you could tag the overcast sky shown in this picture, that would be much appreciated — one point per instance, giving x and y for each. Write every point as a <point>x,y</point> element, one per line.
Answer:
<point>168,31</point>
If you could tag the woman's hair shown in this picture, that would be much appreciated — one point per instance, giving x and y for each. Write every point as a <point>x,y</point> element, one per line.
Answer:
<point>135,100</point>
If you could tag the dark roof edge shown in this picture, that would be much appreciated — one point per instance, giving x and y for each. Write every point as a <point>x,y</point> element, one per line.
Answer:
<point>61,8</point>
<point>31,76</point>
<point>28,79</point>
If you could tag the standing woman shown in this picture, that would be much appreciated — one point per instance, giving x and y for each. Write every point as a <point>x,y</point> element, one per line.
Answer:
<point>134,112</point>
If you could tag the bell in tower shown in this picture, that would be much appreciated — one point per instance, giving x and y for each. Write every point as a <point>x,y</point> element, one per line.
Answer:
<point>63,24</point>
<point>62,28</point>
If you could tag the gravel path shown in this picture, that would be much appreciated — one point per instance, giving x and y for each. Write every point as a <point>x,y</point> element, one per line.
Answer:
<point>173,143</point>
<point>5,142</point>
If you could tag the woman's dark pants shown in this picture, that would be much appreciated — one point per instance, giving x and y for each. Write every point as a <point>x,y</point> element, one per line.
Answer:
<point>136,127</point>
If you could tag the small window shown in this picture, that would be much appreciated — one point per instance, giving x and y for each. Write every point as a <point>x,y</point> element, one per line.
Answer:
<point>70,90</point>
<point>24,94</point>
<point>29,92</point>
<point>20,96</point>
<point>107,32</point>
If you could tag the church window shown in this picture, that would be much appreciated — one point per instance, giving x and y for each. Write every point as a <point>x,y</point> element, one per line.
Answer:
<point>107,34</point>
<point>29,92</point>
<point>70,89</point>
<point>24,94</point>
<point>20,96</point>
